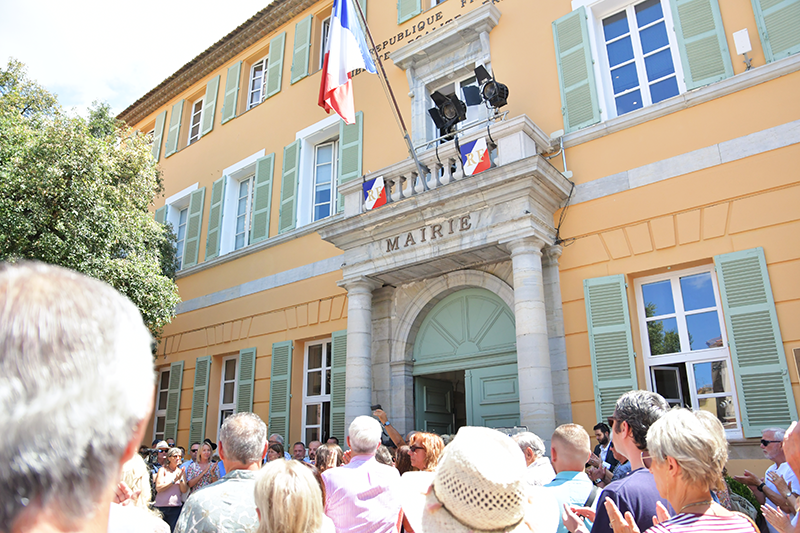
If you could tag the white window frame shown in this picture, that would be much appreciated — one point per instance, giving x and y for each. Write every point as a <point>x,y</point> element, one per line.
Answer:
<point>597,10</point>
<point>334,178</point>
<point>324,31</point>
<point>688,357</point>
<point>264,63</point>
<point>227,406</point>
<point>233,175</point>
<point>317,399</point>
<point>180,242</point>
<point>474,112</point>
<point>195,119</point>
<point>175,204</point>
<point>324,131</point>
<point>161,413</point>
<point>248,210</point>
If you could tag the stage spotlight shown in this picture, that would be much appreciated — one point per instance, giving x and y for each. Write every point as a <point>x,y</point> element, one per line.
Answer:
<point>448,112</point>
<point>492,92</point>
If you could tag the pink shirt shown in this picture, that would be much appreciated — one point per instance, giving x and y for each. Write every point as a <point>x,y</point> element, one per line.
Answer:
<point>361,497</point>
<point>170,496</point>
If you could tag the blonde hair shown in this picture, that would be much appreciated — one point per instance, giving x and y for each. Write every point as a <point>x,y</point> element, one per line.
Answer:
<point>433,444</point>
<point>288,498</point>
<point>325,455</point>
<point>576,440</point>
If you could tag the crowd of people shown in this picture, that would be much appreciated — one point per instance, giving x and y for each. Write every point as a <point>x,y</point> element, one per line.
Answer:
<point>76,391</point>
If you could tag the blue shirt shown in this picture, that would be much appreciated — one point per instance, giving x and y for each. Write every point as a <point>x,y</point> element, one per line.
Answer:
<point>572,488</point>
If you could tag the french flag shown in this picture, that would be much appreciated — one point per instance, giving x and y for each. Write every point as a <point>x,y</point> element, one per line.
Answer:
<point>345,51</point>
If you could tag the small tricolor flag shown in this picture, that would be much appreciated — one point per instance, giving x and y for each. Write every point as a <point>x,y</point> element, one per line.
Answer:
<point>345,51</point>
<point>475,157</point>
<point>374,193</point>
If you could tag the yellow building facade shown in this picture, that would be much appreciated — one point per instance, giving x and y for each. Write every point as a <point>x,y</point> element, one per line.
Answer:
<point>637,227</point>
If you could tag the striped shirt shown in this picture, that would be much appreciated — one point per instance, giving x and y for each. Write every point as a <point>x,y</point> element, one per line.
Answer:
<point>696,523</point>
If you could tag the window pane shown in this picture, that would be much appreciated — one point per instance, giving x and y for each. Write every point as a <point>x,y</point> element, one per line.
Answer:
<point>711,377</point>
<point>164,380</point>
<point>182,216</point>
<point>667,383</point>
<point>328,381</point>
<point>326,418</point>
<point>239,241</point>
<point>624,78</point>
<point>162,400</point>
<point>225,413</point>
<point>328,352</point>
<point>324,154</point>
<point>615,25</point>
<point>313,415</point>
<point>227,395</point>
<point>722,408</point>
<point>704,330</point>
<point>620,51</point>
<point>628,102</point>
<point>324,174</point>
<point>315,356</point>
<point>648,12</point>
<point>160,421</point>
<point>659,65</point>
<point>663,336</point>
<point>230,369</point>
<point>322,211</point>
<point>658,298</point>
<point>698,292</point>
<point>314,383</point>
<point>664,89</point>
<point>312,434</point>
<point>323,194</point>
<point>654,37</point>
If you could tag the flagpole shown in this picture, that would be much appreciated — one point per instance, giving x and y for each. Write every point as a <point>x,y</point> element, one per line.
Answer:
<point>422,170</point>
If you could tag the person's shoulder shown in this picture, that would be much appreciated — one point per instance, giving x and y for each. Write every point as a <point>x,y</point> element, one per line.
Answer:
<point>129,518</point>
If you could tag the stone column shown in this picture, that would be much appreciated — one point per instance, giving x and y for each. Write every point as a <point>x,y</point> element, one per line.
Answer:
<point>555,334</point>
<point>536,404</point>
<point>358,380</point>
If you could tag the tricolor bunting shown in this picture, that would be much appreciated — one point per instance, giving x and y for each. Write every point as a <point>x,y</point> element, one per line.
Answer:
<point>475,157</point>
<point>345,51</point>
<point>374,193</point>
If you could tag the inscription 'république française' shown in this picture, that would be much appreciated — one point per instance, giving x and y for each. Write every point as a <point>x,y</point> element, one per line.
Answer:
<point>431,232</point>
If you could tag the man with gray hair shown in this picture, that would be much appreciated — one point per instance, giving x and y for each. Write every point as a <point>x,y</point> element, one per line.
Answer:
<point>229,504</point>
<point>361,495</point>
<point>540,471</point>
<point>276,438</point>
<point>76,392</point>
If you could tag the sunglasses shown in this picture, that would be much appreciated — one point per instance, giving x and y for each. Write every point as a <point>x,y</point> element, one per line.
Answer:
<point>416,448</point>
<point>195,450</point>
<point>765,442</point>
<point>647,460</point>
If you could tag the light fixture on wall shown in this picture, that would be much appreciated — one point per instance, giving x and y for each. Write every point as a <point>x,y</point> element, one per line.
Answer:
<point>494,93</point>
<point>448,112</point>
<point>741,39</point>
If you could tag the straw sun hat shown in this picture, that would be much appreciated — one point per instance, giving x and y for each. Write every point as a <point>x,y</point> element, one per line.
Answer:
<point>479,486</point>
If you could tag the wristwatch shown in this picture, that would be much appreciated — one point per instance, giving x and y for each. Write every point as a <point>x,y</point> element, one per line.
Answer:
<point>761,487</point>
<point>788,495</point>
<point>387,423</point>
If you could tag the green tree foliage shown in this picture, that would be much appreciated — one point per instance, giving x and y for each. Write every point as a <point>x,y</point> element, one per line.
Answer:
<point>76,192</point>
<point>661,342</point>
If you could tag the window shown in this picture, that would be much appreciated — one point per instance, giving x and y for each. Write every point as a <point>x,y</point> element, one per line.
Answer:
<point>318,171</point>
<point>686,353</point>
<point>244,205</point>
<point>641,55</point>
<point>258,77</point>
<point>325,165</point>
<point>180,232</point>
<point>476,112</point>
<point>326,28</point>
<point>162,394</point>
<point>177,214</point>
<point>317,391</point>
<point>227,388</point>
<point>195,121</point>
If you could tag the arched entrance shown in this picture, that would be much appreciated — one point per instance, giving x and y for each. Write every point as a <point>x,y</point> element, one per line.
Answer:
<point>465,364</point>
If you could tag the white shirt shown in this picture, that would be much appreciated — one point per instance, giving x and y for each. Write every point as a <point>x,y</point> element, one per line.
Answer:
<point>785,471</point>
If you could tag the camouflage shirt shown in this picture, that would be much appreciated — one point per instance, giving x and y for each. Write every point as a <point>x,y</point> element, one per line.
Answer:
<point>227,505</point>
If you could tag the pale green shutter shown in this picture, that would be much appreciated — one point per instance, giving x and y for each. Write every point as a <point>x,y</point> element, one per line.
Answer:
<point>338,385</point>
<point>158,134</point>
<point>210,105</point>
<point>610,344</point>
<point>197,426</point>
<point>779,27</point>
<point>407,9</point>
<point>351,149</point>
<point>174,129</point>
<point>280,389</point>
<point>701,41</point>
<point>173,400</point>
<point>287,217</point>
<point>754,338</point>
<point>193,224</point>
<point>161,214</point>
<point>363,9</point>
<point>575,73</point>
<point>214,233</point>
<point>262,198</point>
<point>275,67</point>
<point>247,374</point>
<point>302,49</point>
<point>231,92</point>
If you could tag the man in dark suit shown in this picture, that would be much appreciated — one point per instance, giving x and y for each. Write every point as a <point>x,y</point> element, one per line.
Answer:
<point>602,434</point>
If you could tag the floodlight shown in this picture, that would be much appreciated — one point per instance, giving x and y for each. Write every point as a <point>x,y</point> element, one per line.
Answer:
<point>448,112</point>
<point>493,92</point>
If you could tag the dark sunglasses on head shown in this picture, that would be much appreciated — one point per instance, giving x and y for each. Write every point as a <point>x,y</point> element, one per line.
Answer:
<point>195,450</point>
<point>765,442</point>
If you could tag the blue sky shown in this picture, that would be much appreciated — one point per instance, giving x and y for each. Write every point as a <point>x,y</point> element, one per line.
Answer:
<point>86,50</point>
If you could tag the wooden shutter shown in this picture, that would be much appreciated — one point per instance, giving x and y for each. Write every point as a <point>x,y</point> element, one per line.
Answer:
<point>575,73</point>
<point>778,26</point>
<point>364,9</point>
<point>280,388</point>
<point>407,9</point>
<point>287,217</point>
<point>158,134</point>
<point>197,426</point>
<point>701,42</point>
<point>338,385</point>
<point>262,198</point>
<point>161,214</point>
<point>194,221</point>
<point>302,49</point>
<point>754,338</point>
<point>173,400</point>
<point>214,234</point>
<point>610,344</point>
<point>174,128</point>
<point>351,149</point>
<point>231,92</point>
<point>274,73</point>
<point>247,373</point>
<point>210,105</point>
